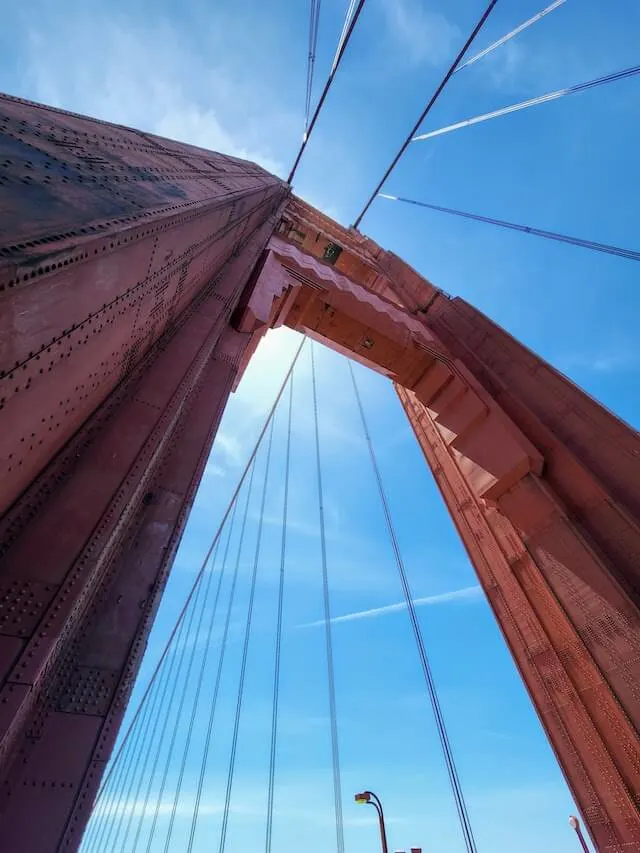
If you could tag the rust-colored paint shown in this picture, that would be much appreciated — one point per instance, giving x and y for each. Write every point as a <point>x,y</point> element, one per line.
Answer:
<point>137,275</point>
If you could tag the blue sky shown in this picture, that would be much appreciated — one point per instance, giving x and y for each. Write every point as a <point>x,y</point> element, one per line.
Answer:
<point>231,76</point>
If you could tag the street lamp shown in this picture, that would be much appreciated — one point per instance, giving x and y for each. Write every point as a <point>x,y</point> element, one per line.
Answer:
<point>372,800</point>
<point>574,823</point>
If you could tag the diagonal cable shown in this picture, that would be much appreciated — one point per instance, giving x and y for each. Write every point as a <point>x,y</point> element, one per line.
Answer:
<point>336,64</point>
<point>629,254</point>
<point>456,787</point>
<point>625,74</point>
<point>456,62</point>
<point>335,753</point>
<point>512,34</point>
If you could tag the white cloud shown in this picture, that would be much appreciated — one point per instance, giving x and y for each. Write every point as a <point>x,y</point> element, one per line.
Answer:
<point>600,362</point>
<point>469,593</point>
<point>418,33</point>
<point>231,448</point>
<point>142,74</point>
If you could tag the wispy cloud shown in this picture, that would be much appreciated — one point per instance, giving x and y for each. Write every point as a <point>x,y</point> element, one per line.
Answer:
<point>468,593</point>
<point>599,362</point>
<point>230,447</point>
<point>145,74</point>
<point>419,34</point>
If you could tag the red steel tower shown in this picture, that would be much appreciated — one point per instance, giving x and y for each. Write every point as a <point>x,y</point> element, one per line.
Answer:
<point>137,275</point>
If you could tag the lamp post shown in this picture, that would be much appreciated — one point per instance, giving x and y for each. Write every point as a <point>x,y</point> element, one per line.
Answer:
<point>370,798</point>
<point>574,823</point>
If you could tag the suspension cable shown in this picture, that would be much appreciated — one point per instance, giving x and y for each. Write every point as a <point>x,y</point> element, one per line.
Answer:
<point>454,779</point>
<point>512,34</point>
<point>313,42</point>
<point>278,649</point>
<point>153,708</point>
<point>214,701</point>
<point>165,721</point>
<point>245,653</point>
<point>178,715</point>
<point>630,254</point>
<point>184,687</point>
<point>532,102</point>
<point>336,64</point>
<point>111,798</point>
<point>111,844</point>
<point>114,762</point>
<point>196,698</point>
<point>335,753</point>
<point>160,706</point>
<point>427,109</point>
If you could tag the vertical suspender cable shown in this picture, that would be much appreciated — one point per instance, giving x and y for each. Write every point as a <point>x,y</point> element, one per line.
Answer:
<point>245,652</point>
<point>146,763</point>
<point>164,724</point>
<point>180,653</point>
<point>182,657</point>
<point>454,780</point>
<point>165,717</point>
<point>337,788</point>
<point>101,811</point>
<point>179,714</point>
<point>216,690</point>
<point>114,763</point>
<point>212,710</point>
<point>278,651</point>
<point>156,708</point>
<point>196,698</point>
<point>110,799</point>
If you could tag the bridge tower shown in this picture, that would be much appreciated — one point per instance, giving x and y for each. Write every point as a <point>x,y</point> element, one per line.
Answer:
<point>137,275</point>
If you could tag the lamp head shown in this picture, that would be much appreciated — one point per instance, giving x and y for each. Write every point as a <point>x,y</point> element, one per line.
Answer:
<point>574,823</point>
<point>364,797</point>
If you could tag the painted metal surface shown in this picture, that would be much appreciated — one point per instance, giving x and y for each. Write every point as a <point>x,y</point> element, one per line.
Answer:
<point>541,482</point>
<point>124,261</point>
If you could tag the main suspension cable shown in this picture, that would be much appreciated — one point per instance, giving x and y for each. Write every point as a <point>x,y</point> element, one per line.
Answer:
<point>427,109</point>
<point>456,787</point>
<point>111,800</point>
<point>313,42</point>
<point>629,254</point>
<point>334,69</point>
<point>245,653</point>
<point>335,753</point>
<point>532,102</point>
<point>278,649</point>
